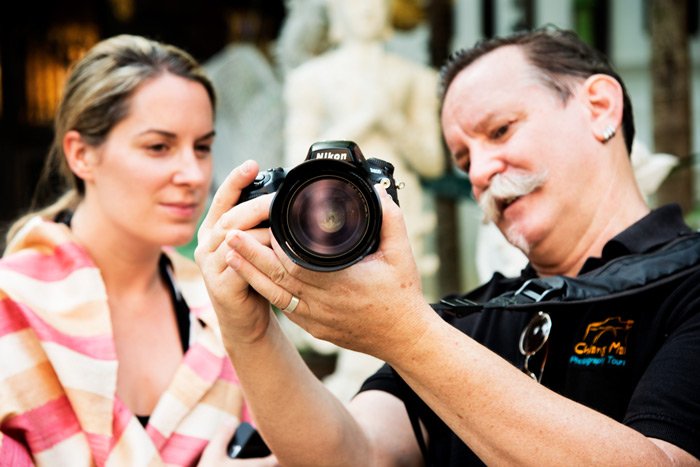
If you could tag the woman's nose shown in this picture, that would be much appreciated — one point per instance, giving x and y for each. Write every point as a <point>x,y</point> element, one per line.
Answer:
<point>191,169</point>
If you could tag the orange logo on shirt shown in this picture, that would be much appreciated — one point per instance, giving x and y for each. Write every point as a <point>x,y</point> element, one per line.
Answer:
<point>603,343</point>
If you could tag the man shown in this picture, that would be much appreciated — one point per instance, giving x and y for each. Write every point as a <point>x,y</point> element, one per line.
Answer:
<point>543,127</point>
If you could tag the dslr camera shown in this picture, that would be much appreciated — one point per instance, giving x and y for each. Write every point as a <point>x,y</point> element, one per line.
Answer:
<point>326,214</point>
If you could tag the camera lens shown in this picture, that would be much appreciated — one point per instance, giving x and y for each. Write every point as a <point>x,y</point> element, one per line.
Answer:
<point>328,217</point>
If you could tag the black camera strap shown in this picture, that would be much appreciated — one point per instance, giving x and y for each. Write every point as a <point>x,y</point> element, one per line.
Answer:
<point>618,278</point>
<point>410,402</point>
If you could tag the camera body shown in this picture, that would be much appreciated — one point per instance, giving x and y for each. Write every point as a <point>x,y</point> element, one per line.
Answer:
<point>326,213</point>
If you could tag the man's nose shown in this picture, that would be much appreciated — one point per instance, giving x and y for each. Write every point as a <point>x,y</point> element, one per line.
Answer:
<point>484,163</point>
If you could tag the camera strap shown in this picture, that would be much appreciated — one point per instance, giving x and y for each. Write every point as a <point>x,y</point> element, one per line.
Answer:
<point>407,396</point>
<point>623,276</point>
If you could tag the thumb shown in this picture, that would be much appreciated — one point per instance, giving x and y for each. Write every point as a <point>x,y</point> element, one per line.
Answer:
<point>393,224</point>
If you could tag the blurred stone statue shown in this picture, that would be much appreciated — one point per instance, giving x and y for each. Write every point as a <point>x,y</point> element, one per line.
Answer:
<point>340,83</point>
<point>304,34</point>
<point>494,253</point>
<point>387,104</point>
<point>249,109</point>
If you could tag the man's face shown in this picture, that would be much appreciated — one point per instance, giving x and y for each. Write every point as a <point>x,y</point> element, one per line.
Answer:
<point>512,133</point>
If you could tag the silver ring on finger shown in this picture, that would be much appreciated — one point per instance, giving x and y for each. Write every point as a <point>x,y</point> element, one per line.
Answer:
<point>293,303</point>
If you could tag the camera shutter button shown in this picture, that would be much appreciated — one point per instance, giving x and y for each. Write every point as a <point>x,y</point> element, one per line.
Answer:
<point>261,179</point>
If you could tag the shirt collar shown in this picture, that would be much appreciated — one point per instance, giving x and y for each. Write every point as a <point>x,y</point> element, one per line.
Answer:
<point>653,230</point>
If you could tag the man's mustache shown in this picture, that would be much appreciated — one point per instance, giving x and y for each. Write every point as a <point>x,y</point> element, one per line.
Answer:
<point>505,188</point>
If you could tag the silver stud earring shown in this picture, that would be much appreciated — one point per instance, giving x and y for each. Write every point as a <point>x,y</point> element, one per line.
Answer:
<point>608,133</point>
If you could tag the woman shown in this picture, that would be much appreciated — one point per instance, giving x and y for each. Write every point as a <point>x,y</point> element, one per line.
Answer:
<point>110,349</point>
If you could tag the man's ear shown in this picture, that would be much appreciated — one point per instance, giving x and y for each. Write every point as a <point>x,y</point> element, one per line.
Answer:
<point>79,155</point>
<point>604,99</point>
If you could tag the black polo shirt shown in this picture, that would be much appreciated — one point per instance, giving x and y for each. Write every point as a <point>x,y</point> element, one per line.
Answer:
<point>633,359</point>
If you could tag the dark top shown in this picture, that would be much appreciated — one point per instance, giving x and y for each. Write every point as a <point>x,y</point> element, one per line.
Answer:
<point>633,359</point>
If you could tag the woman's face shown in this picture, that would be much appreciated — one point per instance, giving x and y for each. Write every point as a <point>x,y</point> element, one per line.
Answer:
<point>151,177</point>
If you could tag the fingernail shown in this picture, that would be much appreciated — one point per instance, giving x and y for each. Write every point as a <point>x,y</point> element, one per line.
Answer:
<point>233,239</point>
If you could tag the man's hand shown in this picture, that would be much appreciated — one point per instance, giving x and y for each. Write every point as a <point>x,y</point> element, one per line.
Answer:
<point>243,314</point>
<point>372,306</point>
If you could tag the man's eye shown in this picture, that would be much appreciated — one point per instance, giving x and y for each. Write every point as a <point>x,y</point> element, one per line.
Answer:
<point>500,131</point>
<point>461,161</point>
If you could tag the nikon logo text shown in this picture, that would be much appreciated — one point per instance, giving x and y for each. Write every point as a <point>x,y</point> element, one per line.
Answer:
<point>339,156</point>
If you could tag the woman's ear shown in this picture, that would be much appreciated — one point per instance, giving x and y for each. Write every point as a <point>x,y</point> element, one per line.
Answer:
<point>79,155</point>
<point>604,99</point>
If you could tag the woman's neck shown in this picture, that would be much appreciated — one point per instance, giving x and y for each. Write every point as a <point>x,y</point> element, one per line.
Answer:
<point>127,265</point>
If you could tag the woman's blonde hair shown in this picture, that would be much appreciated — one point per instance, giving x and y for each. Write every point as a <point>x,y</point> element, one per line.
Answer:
<point>96,98</point>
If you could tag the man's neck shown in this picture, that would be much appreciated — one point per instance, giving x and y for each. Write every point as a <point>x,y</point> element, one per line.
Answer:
<point>589,243</point>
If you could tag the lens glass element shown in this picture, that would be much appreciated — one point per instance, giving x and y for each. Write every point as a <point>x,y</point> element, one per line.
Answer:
<point>328,217</point>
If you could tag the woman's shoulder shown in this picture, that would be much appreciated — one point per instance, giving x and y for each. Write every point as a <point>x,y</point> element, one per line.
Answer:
<point>184,268</point>
<point>48,277</point>
<point>44,251</point>
<point>189,279</point>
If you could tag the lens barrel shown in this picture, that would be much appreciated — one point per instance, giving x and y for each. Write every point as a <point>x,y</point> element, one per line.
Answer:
<point>326,215</point>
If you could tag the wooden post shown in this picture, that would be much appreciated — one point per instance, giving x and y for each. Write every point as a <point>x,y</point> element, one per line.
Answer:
<point>670,71</point>
<point>449,276</point>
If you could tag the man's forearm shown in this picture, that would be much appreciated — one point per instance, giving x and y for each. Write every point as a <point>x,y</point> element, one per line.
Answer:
<point>303,423</point>
<point>507,418</point>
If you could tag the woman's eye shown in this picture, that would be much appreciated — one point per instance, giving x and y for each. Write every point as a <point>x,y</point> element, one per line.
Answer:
<point>203,150</point>
<point>158,148</point>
